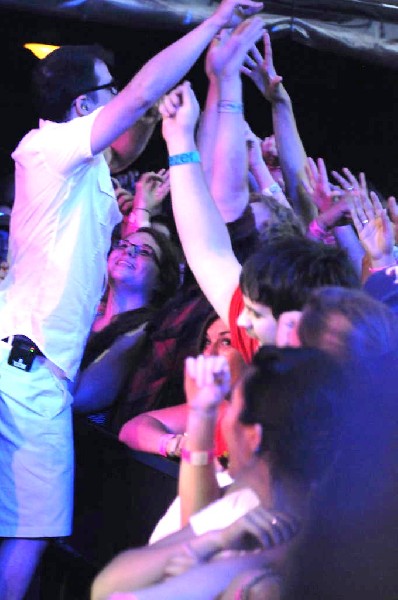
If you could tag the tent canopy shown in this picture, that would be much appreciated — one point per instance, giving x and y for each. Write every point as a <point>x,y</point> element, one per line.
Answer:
<point>365,29</point>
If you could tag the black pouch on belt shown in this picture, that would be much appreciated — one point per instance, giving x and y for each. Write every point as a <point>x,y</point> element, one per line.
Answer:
<point>23,353</point>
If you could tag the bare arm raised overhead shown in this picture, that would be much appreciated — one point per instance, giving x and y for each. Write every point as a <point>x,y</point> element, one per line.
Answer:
<point>159,75</point>
<point>202,231</point>
<point>229,182</point>
<point>292,155</point>
<point>201,227</point>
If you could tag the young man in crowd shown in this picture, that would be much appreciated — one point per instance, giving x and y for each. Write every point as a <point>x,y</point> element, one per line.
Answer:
<point>63,217</point>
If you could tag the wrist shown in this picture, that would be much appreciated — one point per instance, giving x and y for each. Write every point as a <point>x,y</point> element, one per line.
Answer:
<point>170,444</point>
<point>184,158</point>
<point>272,189</point>
<point>282,100</point>
<point>181,143</point>
<point>205,546</point>
<point>382,262</point>
<point>198,458</point>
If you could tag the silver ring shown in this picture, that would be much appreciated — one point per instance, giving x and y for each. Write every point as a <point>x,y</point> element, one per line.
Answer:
<point>365,221</point>
<point>349,188</point>
<point>274,521</point>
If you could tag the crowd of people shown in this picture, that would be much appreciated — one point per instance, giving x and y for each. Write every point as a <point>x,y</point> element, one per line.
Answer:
<point>235,311</point>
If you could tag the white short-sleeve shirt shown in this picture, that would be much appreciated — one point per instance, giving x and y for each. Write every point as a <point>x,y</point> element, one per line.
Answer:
<point>61,225</point>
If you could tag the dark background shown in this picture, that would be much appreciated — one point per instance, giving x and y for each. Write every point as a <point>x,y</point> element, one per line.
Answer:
<point>345,108</point>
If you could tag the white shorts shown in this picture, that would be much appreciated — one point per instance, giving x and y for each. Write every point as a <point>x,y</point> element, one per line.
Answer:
<point>36,451</point>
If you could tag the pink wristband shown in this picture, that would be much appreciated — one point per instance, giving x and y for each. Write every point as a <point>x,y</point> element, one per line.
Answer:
<point>198,458</point>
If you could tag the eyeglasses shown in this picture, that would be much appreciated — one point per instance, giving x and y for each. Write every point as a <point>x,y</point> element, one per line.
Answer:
<point>141,249</point>
<point>112,86</point>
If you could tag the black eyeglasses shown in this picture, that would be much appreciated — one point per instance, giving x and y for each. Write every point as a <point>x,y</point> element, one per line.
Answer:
<point>112,86</point>
<point>144,250</point>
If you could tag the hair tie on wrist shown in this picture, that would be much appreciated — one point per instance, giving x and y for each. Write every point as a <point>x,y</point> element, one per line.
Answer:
<point>229,107</point>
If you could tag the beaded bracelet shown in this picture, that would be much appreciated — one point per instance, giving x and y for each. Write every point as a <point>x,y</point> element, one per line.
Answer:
<point>184,158</point>
<point>163,443</point>
<point>229,107</point>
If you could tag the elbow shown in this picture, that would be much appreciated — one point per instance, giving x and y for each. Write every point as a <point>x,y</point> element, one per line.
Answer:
<point>124,435</point>
<point>96,593</point>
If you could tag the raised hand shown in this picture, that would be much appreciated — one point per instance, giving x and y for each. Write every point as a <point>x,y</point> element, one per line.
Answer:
<point>260,69</point>
<point>124,199</point>
<point>253,143</point>
<point>180,111</point>
<point>333,204</point>
<point>374,228</point>
<point>227,52</point>
<point>392,208</point>
<point>207,381</point>
<point>232,12</point>
<point>164,187</point>
<point>146,191</point>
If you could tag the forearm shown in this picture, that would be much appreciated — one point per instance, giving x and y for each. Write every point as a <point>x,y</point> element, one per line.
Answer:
<point>347,239</point>
<point>130,145</point>
<point>197,485</point>
<point>206,134</point>
<point>203,582</point>
<point>229,183</point>
<point>264,180</point>
<point>203,233</point>
<point>169,66</point>
<point>143,433</point>
<point>138,568</point>
<point>292,157</point>
<point>138,217</point>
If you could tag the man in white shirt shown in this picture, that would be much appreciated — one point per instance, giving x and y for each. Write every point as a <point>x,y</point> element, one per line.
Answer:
<point>63,217</point>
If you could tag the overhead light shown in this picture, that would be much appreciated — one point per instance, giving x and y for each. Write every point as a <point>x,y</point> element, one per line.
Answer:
<point>40,50</point>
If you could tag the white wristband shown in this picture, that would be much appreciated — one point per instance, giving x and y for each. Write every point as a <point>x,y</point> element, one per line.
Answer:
<point>272,189</point>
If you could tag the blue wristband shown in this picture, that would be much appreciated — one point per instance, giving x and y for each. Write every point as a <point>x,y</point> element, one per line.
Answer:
<point>184,158</point>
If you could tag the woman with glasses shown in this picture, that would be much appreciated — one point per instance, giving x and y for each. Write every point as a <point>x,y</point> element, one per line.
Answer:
<point>143,272</point>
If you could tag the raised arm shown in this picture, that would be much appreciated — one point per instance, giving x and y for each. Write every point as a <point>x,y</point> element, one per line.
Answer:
<point>229,182</point>
<point>203,233</point>
<point>131,144</point>
<point>207,380</point>
<point>291,152</point>
<point>159,75</point>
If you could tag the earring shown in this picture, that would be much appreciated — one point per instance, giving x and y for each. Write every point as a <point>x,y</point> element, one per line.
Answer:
<point>84,107</point>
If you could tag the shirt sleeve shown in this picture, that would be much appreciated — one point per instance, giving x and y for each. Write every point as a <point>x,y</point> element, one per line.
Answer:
<point>65,146</point>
